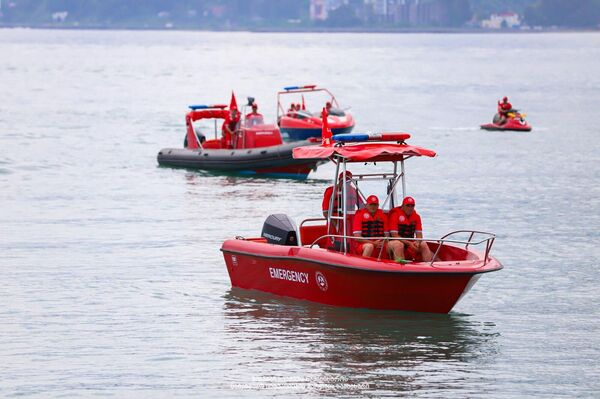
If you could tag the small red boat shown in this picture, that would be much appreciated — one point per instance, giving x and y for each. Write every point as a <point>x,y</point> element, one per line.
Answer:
<point>248,147</point>
<point>515,121</point>
<point>300,124</point>
<point>320,265</point>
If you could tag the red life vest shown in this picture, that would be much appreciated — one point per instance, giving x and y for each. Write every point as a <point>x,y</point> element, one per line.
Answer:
<point>370,225</point>
<point>406,226</point>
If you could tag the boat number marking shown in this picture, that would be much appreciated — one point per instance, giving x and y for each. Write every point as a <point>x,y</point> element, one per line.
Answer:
<point>234,261</point>
<point>290,275</point>
<point>321,281</point>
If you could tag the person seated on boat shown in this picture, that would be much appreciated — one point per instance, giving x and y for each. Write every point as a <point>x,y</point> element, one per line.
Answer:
<point>292,109</point>
<point>254,113</point>
<point>254,117</point>
<point>370,223</point>
<point>328,107</point>
<point>405,222</point>
<point>504,108</point>
<point>229,128</point>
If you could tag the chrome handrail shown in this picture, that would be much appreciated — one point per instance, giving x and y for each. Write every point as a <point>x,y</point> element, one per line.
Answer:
<point>489,241</point>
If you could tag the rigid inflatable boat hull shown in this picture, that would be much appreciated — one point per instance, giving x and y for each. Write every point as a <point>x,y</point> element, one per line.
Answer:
<point>275,160</point>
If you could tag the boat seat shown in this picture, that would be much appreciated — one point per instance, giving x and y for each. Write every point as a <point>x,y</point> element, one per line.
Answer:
<point>308,234</point>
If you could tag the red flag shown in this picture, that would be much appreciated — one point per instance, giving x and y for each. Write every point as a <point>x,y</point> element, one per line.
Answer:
<point>325,131</point>
<point>233,103</point>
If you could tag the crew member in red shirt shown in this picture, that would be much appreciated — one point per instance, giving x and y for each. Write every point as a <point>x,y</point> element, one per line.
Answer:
<point>405,222</point>
<point>504,108</point>
<point>229,128</point>
<point>254,113</point>
<point>353,200</point>
<point>370,222</point>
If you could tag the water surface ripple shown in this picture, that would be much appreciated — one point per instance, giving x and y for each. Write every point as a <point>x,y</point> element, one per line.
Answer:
<point>113,283</point>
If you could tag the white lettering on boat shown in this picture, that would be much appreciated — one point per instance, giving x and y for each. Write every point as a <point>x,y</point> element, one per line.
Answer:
<point>271,236</point>
<point>290,275</point>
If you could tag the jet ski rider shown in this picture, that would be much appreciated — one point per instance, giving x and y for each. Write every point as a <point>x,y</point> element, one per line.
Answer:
<point>504,108</point>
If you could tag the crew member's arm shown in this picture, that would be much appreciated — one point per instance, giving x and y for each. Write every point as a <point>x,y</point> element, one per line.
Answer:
<point>418,232</point>
<point>393,227</point>
<point>357,227</point>
<point>326,199</point>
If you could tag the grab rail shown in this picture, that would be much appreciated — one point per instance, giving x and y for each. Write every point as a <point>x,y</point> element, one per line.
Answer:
<point>489,241</point>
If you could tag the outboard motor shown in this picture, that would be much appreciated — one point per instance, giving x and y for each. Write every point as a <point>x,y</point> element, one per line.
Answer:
<point>280,229</point>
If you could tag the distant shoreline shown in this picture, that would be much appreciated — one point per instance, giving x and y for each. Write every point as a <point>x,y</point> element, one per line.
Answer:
<point>304,29</point>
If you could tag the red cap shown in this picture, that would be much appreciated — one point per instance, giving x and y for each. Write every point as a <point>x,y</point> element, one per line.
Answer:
<point>505,99</point>
<point>348,175</point>
<point>408,200</point>
<point>372,200</point>
<point>254,105</point>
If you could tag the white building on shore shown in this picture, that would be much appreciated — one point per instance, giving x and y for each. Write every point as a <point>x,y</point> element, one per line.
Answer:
<point>500,21</point>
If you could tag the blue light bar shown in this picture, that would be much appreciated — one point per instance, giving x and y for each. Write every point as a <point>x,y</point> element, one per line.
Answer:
<point>198,106</point>
<point>291,88</point>
<point>357,137</point>
<point>351,137</point>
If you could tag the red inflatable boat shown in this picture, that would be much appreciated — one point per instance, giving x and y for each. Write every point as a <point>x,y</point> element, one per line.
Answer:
<point>320,265</point>
<point>248,147</point>
<point>299,123</point>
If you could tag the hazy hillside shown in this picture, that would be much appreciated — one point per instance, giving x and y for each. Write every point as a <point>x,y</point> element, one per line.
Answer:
<point>283,14</point>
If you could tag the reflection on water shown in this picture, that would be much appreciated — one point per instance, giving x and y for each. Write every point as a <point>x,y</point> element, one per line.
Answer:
<point>354,351</point>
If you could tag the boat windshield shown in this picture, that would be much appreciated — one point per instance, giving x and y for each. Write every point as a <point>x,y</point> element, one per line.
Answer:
<point>208,128</point>
<point>254,121</point>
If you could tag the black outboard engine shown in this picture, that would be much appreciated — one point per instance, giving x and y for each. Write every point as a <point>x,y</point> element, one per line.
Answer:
<point>280,229</point>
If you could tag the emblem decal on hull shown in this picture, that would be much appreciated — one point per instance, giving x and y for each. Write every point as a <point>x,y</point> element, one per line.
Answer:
<point>321,281</point>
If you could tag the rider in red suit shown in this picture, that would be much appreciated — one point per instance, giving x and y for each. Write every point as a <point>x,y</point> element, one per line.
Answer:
<point>504,108</point>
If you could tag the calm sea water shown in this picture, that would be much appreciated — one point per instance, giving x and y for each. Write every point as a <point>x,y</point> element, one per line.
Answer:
<point>112,279</point>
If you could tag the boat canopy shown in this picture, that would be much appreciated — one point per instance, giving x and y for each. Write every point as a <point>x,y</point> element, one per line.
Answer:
<point>363,152</point>
<point>211,113</point>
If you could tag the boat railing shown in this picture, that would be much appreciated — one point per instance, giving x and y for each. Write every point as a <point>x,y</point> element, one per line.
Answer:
<point>488,239</point>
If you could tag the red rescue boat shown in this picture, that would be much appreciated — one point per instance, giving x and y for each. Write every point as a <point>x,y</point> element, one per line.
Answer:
<point>299,123</point>
<point>319,265</point>
<point>247,145</point>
